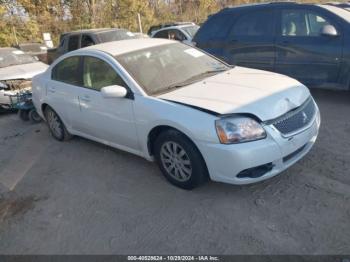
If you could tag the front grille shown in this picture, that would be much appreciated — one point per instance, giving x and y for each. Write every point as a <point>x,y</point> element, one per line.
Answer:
<point>296,119</point>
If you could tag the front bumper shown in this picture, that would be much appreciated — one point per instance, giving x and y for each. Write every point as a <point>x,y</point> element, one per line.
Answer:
<point>226,162</point>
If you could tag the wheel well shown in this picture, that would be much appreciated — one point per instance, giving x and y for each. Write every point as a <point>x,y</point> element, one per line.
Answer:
<point>43,107</point>
<point>152,136</point>
<point>156,131</point>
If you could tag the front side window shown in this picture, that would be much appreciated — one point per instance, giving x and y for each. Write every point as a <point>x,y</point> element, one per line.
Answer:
<point>166,67</point>
<point>258,23</point>
<point>73,43</point>
<point>67,71</point>
<point>302,23</point>
<point>98,74</point>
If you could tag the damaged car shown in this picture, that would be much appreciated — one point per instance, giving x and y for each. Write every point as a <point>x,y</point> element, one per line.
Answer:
<point>16,72</point>
<point>198,117</point>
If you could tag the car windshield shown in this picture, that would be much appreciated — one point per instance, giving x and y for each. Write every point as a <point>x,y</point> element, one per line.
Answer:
<point>12,57</point>
<point>115,35</point>
<point>338,11</point>
<point>163,68</point>
<point>191,30</point>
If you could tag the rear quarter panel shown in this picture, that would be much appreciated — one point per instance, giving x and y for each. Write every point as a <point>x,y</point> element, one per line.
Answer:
<point>39,91</point>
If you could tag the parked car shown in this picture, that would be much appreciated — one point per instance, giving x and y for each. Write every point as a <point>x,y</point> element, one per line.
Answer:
<point>16,71</point>
<point>34,49</point>
<point>78,39</point>
<point>160,26</point>
<point>196,116</point>
<point>182,33</point>
<point>308,42</point>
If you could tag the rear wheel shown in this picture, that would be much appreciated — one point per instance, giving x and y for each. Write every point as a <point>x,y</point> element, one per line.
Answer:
<point>179,160</point>
<point>56,126</point>
<point>34,116</point>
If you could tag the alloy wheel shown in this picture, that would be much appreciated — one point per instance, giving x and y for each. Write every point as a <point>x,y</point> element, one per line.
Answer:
<point>54,123</point>
<point>176,161</point>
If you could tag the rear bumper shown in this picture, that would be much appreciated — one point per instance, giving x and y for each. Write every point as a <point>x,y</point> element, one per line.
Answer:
<point>231,163</point>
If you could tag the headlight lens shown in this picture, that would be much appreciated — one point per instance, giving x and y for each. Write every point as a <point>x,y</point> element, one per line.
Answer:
<point>232,130</point>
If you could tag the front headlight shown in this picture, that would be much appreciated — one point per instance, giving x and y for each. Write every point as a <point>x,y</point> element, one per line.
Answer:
<point>233,130</point>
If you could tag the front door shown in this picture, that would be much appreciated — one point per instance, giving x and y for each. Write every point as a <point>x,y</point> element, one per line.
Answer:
<point>110,120</point>
<point>302,51</point>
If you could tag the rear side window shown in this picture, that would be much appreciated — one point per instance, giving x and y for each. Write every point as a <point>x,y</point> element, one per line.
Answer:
<point>259,23</point>
<point>86,40</point>
<point>73,43</point>
<point>67,71</point>
<point>162,34</point>
<point>216,26</point>
<point>98,74</point>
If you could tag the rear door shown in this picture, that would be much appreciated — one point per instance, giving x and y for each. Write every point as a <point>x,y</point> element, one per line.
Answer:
<point>251,41</point>
<point>302,52</point>
<point>63,90</point>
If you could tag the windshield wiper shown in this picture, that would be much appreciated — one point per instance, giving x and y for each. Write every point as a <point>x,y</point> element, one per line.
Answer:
<point>195,78</point>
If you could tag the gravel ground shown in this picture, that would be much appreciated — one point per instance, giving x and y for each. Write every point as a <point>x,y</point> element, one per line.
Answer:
<point>80,197</point>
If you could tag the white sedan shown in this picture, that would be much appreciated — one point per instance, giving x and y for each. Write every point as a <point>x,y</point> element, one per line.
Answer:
<point>196,116</point>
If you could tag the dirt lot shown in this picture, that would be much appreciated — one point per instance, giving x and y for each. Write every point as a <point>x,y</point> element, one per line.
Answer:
<point>83,197</point>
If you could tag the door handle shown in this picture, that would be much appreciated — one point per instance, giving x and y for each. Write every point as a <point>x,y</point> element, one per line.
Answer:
<point>52,89</point>
<point>85,98</point>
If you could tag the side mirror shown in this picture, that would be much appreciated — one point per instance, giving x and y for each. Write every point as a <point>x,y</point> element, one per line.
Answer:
<point>329,30</point>
<point>114,91</point>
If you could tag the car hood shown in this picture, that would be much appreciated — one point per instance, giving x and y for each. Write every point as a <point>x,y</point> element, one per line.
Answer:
<point>241,90</point>
<point>24,71</point>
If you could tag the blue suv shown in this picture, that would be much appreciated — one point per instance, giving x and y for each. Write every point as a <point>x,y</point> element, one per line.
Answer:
<point>305,41</point>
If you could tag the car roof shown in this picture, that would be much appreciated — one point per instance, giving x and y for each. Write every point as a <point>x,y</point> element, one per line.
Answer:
<point>96,30</point>
<point>125,46</point>
<point>264,4</point>
<point>172,27</point>
<point>176,26</point>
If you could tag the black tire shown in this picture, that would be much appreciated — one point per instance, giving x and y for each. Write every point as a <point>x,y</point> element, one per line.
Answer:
<point>34,116</point>
<point>57,128</point>
<point>181,177</point>
<point>23,114</point>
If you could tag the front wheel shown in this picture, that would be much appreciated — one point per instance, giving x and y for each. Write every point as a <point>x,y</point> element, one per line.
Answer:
<point>56,126</point>
<point>179,160</point>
